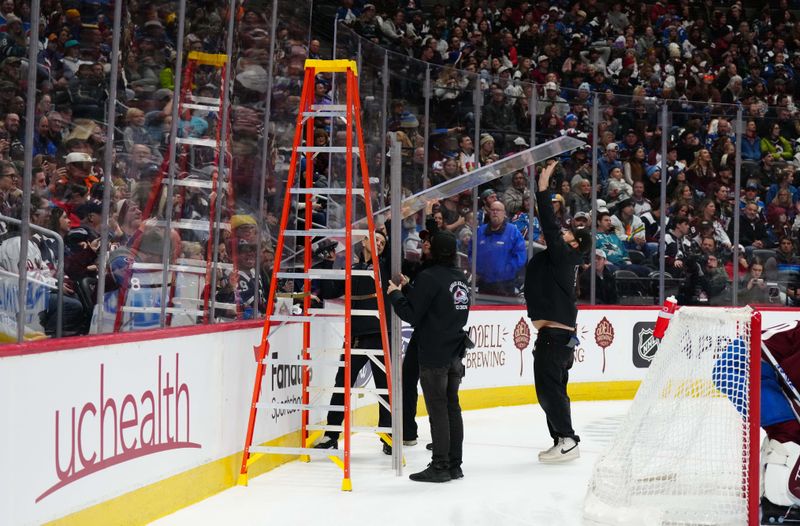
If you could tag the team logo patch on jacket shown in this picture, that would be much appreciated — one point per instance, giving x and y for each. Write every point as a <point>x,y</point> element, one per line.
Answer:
<point>460,293</point>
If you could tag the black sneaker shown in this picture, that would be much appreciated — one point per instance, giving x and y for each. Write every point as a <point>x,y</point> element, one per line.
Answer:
<point>327,442</point>
<point>431,474</point>
<point>456,473</point>
<point>387,449</point>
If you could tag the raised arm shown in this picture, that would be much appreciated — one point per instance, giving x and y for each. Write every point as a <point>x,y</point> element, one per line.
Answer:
<point>547,218</point>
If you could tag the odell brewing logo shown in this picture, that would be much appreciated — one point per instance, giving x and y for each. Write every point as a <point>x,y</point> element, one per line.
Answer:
<point>488,352</point>
<point>604,337</point>
<point>522,338</point>
<point>135,424</point>
<point>645,345</point>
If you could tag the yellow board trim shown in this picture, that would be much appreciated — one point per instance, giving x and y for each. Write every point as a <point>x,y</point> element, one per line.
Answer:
<point>184,489</point>
<point>332,66</point>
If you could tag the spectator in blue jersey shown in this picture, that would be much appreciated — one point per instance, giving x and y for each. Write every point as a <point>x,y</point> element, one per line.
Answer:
<point>501,253</point>
<point>614,247</point>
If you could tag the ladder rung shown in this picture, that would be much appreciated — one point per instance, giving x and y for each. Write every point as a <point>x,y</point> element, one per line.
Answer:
<point>323,114</point>
<point>329,232</point>
<point>325,191</point>
<point>189,269</point>
<point>293,318</point>
<point>198,301</point>
<point>326,149</point>
<point>329,107</point>
<point>192,183</point>
<point>201,107</point>
<point>194,141</point>
<point>299,407</point>
<point>340,350</point>
<point>324,274</point>
<point>354,429</point>
<point>311,451</point>
<point>167,310</point>
<point>301,361</point>
<point>353,390</point>
<point>192,224</point>
<point>353,312</point>
<point>209,101</point>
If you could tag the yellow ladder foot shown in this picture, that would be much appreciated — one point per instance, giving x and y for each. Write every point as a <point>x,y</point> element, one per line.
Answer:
<point>242,481</point>
<point>347,485</point>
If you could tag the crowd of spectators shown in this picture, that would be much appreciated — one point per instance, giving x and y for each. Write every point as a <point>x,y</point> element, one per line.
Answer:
<point>71,131</point>
<point>705,60</point>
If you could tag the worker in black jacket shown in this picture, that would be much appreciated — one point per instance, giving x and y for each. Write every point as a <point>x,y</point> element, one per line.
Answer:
<point>438,306</point>
<point>365,332</point>
<point>550,282</point>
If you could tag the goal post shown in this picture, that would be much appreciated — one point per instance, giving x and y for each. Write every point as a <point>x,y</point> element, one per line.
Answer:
<point>687,453</point>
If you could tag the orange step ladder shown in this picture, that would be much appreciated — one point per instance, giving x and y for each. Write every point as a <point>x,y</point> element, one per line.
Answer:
<point>266,356</point>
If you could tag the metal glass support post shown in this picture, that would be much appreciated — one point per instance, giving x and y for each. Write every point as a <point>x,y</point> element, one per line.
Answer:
<point>396,343</point>
<point>532,105</point>
<point>265,155</point>
<point>663,198</point>
<point>737,184</point>
<point>382,144</point>
<point>173,132</point>
<point>27,172</point>
<point>225,172</point>
<point>427,126</point>
<point>477,103</point>
<point>108,159</point>
<point>595,160</point>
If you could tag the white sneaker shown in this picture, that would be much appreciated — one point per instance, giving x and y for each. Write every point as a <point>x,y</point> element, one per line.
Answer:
<point>564,451</point>
<point>409,442</point>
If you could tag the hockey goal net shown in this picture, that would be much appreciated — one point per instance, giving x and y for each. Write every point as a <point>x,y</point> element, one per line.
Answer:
<point>687,452</point>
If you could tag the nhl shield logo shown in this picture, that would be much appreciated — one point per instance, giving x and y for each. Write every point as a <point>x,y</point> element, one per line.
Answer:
<point>645,345</point>
<point>648,345</point>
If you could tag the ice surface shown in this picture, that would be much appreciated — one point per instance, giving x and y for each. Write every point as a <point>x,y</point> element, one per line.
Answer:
<point>504,484</point>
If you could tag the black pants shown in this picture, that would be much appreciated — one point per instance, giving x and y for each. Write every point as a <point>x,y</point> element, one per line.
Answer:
<point>410,395</point>
<point>440,388</point>
<point>357,362</point>
<point>552,360</point>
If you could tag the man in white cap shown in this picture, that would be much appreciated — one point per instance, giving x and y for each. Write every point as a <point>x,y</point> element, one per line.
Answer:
<point>553,100</point>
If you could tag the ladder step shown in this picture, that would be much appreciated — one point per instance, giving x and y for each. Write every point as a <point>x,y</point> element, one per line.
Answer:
<point>329,107</point>
<point>200,301</point>
<point>192,224</point>
<point>353,390</point>
<point>324,114</point>
<point>323,274</point>
<point>299,407</point>
<point>194,141</point>
<point>325,191</point>
<point>353,312</point>
<point>325,149</point>
<point>301,361</point>
<point>328,232</point>
<point>191,183</point>
<point>298,318</point>
<point>209,101</point>
<point>354,429</point>
<point>201,107</point>
<point>167,310</point>
<point>311,451</point>
<point>189,269</point>
<point>353,350</point>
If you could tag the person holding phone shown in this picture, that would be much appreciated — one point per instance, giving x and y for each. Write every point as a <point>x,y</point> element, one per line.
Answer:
<point>754,289</point>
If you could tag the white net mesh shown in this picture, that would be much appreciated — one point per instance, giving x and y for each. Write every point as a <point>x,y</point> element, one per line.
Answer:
<point>681,455</point>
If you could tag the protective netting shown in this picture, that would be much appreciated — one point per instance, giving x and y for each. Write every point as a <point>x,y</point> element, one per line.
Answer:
<point>681,455</point>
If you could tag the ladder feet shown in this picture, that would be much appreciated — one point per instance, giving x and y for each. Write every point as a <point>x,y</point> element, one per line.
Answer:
<point>242,480</point>
<point>347,485</point>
